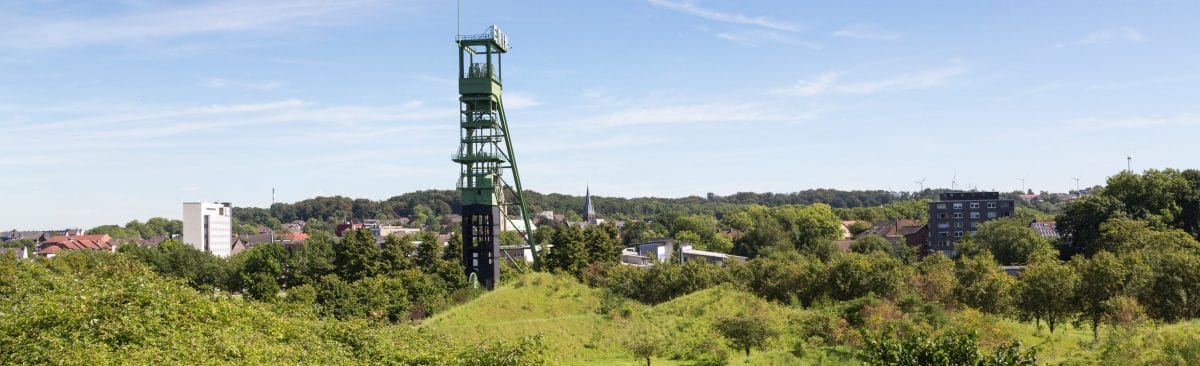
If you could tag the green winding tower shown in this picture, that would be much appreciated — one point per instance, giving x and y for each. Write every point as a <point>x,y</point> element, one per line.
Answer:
<point>485,152</point>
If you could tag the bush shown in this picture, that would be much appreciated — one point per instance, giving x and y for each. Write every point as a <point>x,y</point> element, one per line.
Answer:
<point>961,349</point>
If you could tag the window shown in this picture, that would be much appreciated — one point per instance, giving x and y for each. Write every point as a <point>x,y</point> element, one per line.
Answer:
<point>957,206</point>
<point>958,215</point>
<point>958,224</point>
<point>991,205</point>
<point>974,224</point>
<point>991,214</point>
<point>941,216</point>
<point>974,215</point>
<point>943,225</point>
<point>974,204</point>
<point>944,234</point>
<point>958,234</point>
<point>941,206</point>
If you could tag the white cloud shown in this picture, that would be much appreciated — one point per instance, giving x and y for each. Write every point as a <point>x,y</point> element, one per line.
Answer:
<point>1146,82</point>
<point>1139,122</point>
<point>1122,34</point>
<point>137,123</point>
<point>515,101</point>
<point>716,112</point>
<point>866,31</point>
<point>251,85</point>
<point>754,37</point>
<point>690,8</point>
<point>145,24</point>
<point>830,82</point>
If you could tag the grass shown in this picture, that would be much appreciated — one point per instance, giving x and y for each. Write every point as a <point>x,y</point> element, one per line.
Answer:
<point>579,328</point>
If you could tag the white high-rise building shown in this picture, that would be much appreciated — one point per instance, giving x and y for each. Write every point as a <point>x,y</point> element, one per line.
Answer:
<point>207,227</point>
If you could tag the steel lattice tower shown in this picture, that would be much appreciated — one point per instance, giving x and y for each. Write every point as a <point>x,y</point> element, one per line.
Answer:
<point>485,152</point>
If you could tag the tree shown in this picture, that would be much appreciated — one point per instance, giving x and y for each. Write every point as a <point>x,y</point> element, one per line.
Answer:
<point>1122,235</point>
<point>395,254</point>
<point>357,255</point>
<point>1174,288</point>
<point>1079,223</point>
<point>646,342</point>
<point>454,249</point>
<point>745,332</point>
<point>315,259</point>
<point>1102,277</point>
<point>739,221</point>
<point>1046,290</point>
<point>422,216</point>
<point>337,298</point>
<point>602,244</point>
<point>853,275</point>
<point>982,285</point>
<point>1010,241</point>
<point>871,243</point>
<point>935,279</point>
<point>429,252</point>
<point>569,253</point>
<point>814,228</point>
<point>263,269</point>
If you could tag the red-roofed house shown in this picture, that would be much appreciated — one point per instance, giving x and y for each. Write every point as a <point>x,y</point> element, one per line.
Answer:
<point>55,244</point>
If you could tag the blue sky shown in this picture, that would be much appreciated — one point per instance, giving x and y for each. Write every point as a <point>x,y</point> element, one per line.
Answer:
<point>119,110</point>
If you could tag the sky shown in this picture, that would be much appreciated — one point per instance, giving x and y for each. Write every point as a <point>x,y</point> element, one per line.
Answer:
<point>112,111</point>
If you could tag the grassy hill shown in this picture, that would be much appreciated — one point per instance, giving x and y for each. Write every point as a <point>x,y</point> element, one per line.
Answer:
<point>583,326</point>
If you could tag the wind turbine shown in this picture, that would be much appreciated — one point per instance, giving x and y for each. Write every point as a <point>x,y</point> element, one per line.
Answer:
<point>921,183</point>
<point>954,181</point>
<point>1076,183</point>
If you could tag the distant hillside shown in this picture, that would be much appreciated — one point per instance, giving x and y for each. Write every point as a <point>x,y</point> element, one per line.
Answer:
<point>443,202</point>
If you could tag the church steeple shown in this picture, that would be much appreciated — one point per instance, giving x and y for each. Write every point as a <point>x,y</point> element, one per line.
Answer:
<point>589,212</point>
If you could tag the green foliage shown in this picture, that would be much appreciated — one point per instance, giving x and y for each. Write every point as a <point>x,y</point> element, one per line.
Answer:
<point>570,252</point>
<point>262,269</point>
<point>396,254</point>
<point>315,259</point>
<point>1102,278</point>
<point>85,308</point>
<point>800,279</point>
<point>949,350</point>
<point>853,275</point>
<point>355,257</point>
<point>935,279</point>
<point>1121,235</point>
<point>201,270</point>
<point>809,229</point>
<point>1047,290</point>
<point>917,209</point>
<point>745,332</point>
<point>602,244</point>
<point>646,342</point>
<point>982,285</point>
<point>1174,288</point>
<point>871,243</point>
<point>1010,241</point>
<point>1161,198</point>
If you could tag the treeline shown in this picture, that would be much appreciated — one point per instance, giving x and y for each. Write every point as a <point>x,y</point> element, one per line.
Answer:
<point>157,226</point>
<point>405,278</point>
<point>425,206</point>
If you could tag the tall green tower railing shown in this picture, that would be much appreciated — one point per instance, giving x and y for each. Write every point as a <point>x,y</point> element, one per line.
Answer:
<point>485,152</point>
